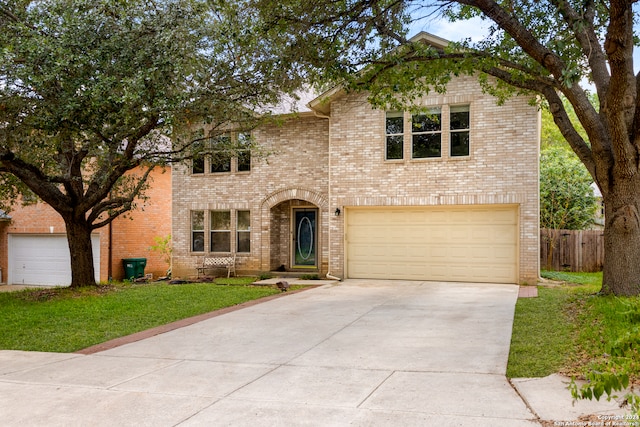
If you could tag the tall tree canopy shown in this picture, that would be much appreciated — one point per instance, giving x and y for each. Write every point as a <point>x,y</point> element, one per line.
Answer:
<point>90,89</point>
<point>567,200</point>
<point>566,197</point>
<point>545,48</point>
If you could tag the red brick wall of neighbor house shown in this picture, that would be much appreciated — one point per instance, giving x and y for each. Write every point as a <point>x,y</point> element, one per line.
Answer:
<point>3,250</point>
<point>132,237</point>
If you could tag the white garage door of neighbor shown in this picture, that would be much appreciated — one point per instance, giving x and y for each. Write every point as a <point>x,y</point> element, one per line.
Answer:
<point>44,259</point>
<point>460,244</point>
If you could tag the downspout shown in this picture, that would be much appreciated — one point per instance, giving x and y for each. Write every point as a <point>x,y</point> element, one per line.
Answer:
<point>329,276</point>
<point>324,116</point>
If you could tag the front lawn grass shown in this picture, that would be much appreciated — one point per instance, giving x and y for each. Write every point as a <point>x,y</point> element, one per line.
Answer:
<point>67,320</point>
<point>542,335</point>
<point>573,330</point>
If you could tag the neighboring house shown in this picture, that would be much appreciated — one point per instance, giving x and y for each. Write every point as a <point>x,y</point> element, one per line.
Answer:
<point>355,192</point>
<point>598,218</point>
<point>34,249</point>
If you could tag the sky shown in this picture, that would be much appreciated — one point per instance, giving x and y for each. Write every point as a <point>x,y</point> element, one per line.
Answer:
<point>455,31</point>
<point>476,29</point>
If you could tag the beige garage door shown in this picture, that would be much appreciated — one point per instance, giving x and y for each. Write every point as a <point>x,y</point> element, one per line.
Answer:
<point>469,244</point>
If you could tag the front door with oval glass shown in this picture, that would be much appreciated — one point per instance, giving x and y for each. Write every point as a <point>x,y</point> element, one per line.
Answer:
<point>305,238</point>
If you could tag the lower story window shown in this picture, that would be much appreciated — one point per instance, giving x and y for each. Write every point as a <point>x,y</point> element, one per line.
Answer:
<point>221,228</point>
<point>197,231</point>
<point>243,231</point>
<point>220,231</point>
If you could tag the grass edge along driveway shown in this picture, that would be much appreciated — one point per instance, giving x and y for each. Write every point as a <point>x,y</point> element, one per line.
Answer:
<point>68,320</point>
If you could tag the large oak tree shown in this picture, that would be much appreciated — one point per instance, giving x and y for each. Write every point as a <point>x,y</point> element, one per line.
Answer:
<point>553,49</point>
<point>91,89</point>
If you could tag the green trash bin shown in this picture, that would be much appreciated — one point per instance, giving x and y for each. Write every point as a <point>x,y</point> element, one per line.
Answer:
<point>134,267</point>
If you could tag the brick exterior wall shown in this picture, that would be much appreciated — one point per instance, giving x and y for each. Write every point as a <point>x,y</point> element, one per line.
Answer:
<point>502,167</point>
<point>292,174</point>
<point>339,162</point>
<point>132,236</point>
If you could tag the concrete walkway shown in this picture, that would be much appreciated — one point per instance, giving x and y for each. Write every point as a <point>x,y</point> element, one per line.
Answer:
<point>361,353</point>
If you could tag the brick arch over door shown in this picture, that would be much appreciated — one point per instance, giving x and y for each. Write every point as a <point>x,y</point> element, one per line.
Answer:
<point>291,194</point>
<point>280,196</point>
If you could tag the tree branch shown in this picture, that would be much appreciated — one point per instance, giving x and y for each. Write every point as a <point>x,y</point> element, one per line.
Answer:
<point>562,120</point>
<point>118,205</point>
<point>584,31</point>
<point>36,180</point>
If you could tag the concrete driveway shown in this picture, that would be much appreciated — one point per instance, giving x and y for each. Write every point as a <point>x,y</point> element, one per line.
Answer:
<point>362,353</point>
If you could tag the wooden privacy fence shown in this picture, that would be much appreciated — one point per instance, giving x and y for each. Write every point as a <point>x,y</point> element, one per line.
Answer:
<point>573,250</point>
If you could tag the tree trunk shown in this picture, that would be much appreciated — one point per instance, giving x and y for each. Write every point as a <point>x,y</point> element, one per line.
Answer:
<point>79,239</point>
<point>621,271</point>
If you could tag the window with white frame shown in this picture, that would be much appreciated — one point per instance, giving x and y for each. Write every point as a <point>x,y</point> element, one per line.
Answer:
<point>198,159</point>
<point>197,231</point>
<point>197,150</point>
<point>220,159</point>
<point>459,127</point>
<point>220,231</point>
<point>223,153</point>
<point>243,231</point>
<point>394,129</point>
<point>426,134</point>
<point>244,152</point>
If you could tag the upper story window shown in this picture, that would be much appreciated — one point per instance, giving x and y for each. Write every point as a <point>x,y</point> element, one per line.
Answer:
<point>220,154</point>
<point>459,128</point>
<point>426,134</point>
<point>244,152</point>
<point>197,162</point>
<point>395,135</point>
<point>220,157</point>
<point>428,131</point>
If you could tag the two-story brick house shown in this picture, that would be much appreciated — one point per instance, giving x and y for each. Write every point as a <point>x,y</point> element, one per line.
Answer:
<point>357,192</point>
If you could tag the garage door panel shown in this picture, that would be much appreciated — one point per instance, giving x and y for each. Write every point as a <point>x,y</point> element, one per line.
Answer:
<point>503,254</point>
<point>438,235</point>
<point>481,233</point>
<point>437,216</point>
<point>504,216</point>
<point>443,243</point>
<point>504,233</point>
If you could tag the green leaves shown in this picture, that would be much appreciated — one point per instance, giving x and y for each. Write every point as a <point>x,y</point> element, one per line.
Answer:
<point>566,197</point>
<point>90,88</point>
<point>611,339</point>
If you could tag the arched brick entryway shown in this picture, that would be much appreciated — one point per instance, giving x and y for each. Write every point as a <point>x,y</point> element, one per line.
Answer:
<point>277,211</point>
